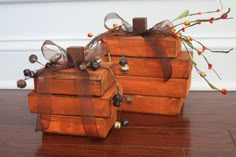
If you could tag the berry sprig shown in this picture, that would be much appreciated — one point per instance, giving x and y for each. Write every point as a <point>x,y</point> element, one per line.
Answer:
<point>187,24</point>
<point>207,12</point>
<point>200,72</point>
<point>188,41</point>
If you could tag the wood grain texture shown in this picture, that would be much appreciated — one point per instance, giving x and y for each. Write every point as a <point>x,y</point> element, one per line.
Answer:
<point>64,82</point>
<point>155,86</point>
<point>205,127</point>
<point>73,125</point>
<point>71,105</point>
<point>151,67</point>
<point>138,47</point>
<point>152,104</point>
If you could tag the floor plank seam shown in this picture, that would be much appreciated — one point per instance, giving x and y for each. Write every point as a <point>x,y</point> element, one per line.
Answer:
<point>184,152</point>
<point>231,136</point>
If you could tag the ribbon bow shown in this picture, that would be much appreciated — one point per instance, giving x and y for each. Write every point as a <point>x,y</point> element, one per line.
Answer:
<point>60,59</point>
<point>150,36</point>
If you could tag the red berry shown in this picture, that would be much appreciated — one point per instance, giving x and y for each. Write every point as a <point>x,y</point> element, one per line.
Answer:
<point>183,29</point>
<point>199,53</point>
<point>104,40</point>
<point>224,16</point>
<point>199,22</point>
<point>224,91</point>
<point>212,20</point>
<point>204,48</point>
<point>199,13</point>
<point>85,53</point>
<point>218,10</point>
<point>210,66</point>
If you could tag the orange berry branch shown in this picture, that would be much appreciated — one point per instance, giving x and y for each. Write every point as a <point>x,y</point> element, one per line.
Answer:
<point>188,41</point>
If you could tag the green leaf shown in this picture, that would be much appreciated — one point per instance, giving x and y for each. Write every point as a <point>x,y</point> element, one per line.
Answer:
<point>184,14</point>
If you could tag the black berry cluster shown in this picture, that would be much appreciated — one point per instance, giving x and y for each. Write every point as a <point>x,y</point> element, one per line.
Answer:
<point>117,100</point>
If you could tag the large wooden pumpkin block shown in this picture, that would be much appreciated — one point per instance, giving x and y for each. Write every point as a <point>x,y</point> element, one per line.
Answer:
<point>136,46</point>
<point>71,105</point>
<point>151,67</point>
<point>64,82</point>
<point>153,104</point>
<point>73,125</point>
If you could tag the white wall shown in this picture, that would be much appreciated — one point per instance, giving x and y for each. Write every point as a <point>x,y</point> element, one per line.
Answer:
<point>25,25</point>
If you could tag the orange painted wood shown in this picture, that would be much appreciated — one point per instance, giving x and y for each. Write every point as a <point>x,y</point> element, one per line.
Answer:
<point>70,105</point>
<point>63,82</point>
<point>150,67</point>
<point>136,46</point>
<point>153,105</point>
<point>150,86</point>
<point>72,125</point>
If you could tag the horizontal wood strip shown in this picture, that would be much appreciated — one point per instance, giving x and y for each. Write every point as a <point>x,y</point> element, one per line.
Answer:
<point>71,105</point>
<point>137,46</point>
<point>152,104</point>
<point>154,86</point>
<point>65,83</point>
<point>73,125</point>
<point>150,67</point>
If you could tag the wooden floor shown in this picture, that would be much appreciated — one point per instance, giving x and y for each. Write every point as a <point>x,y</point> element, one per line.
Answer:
<point>205,128</point>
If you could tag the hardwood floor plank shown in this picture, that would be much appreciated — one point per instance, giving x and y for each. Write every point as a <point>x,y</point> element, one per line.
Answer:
<point>224,152</point>
<point>232,133</point>
<point>130,137</point>
<point>14,99</point>
<point>62,150</point>
<point>186,120</point>
<point>12,92</point>
<point>153,137</point>
<point>210,102</point>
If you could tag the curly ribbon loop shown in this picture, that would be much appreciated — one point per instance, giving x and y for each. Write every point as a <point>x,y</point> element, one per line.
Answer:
<point>44,83</point>
<point>111,16</point>
<point>50,50</point>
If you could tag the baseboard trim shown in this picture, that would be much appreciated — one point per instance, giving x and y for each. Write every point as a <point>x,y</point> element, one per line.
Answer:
<point>34,43</point>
